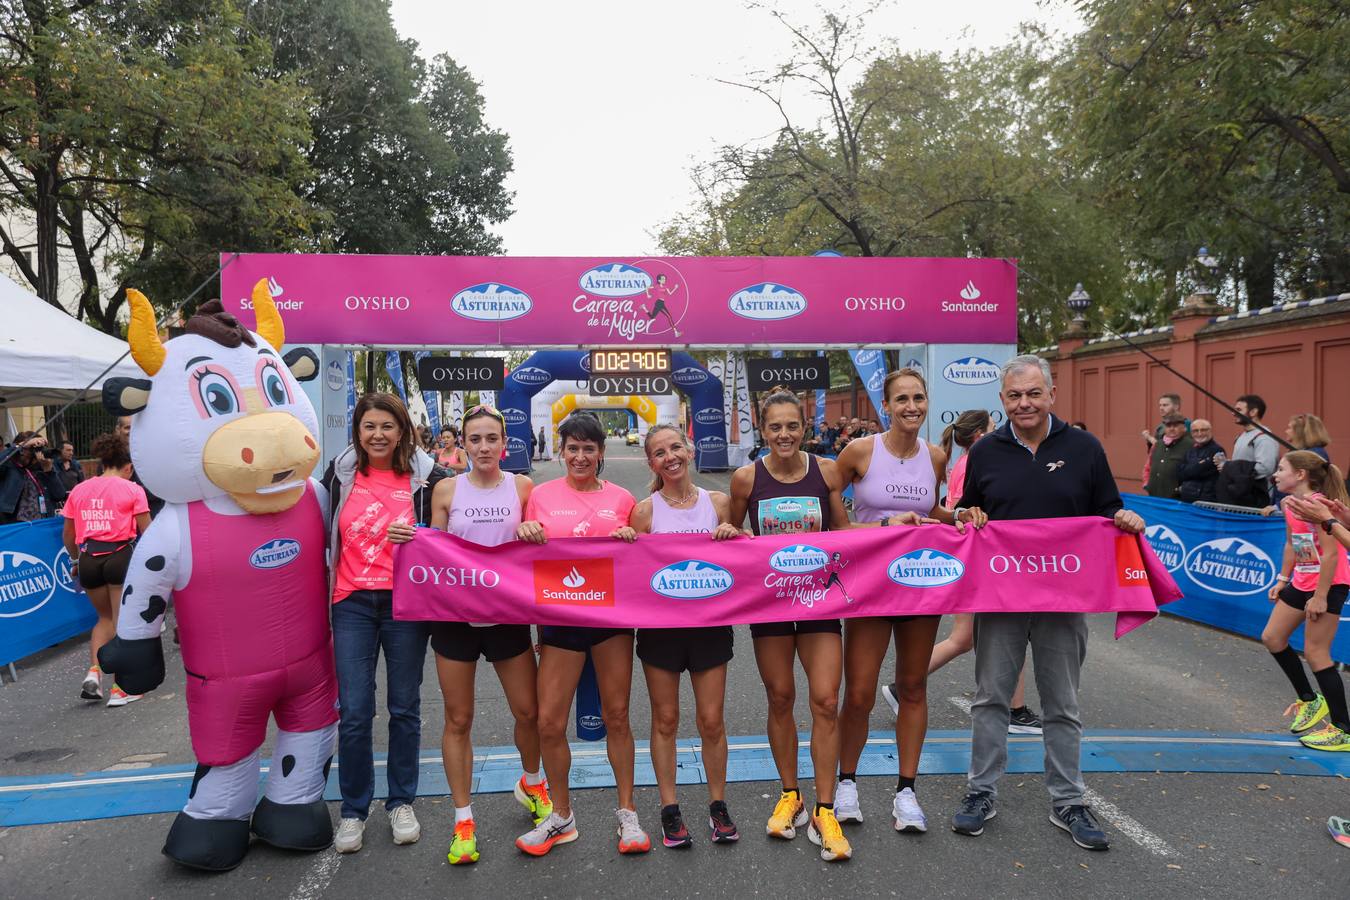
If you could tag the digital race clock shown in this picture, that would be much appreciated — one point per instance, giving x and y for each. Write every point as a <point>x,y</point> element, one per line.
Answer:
<point>631,361</point>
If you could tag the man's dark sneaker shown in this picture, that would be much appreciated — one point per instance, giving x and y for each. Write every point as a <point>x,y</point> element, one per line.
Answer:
<point>1079,822</point>
<point>719,820</point>
<point>891,696</point>
<point>1024,720</point>
<point>673,832</point>
<point>976,809</point>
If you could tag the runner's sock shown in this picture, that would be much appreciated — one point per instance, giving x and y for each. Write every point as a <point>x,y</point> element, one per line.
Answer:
<point>793,791</point>
<point>1333,689</point>
<point>533,778</point>
<point>820,806</point>
<point>1293,670</point>
<point>463,813</point>
<point>848,776</point>
<point>903,783</point>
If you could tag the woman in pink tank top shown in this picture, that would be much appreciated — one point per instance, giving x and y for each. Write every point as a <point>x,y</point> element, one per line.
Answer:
<point>678,506</point>
<point>895,477</point>
<point>104,516</point>
<point>484,506</point>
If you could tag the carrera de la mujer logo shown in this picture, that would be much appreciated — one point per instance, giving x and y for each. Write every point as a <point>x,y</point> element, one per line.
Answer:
<point>574,582</point>
<point>632,300</point>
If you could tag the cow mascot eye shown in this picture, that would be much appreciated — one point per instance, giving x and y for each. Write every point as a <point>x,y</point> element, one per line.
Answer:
<point>274,386</point>
<point>217,394</point>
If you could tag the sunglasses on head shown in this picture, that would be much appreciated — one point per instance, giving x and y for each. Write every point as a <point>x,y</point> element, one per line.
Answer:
<point>486,410</point>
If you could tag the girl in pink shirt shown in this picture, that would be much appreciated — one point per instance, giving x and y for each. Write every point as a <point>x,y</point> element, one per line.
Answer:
<point>104,516</point>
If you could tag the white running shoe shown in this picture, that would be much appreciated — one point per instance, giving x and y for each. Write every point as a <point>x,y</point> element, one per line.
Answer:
<point>403,822</point>
<point>92,688</point>
<point>846,808</point>
<point>119,697</point>
<point>907,814</point>
<point>349,833</point>
<point>892,699</point>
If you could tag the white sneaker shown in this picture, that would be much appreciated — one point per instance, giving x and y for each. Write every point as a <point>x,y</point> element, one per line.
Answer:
<point>892,700</point>
<point>846,808</point>
<point>403,822</point>
<point>92,688</point>
<point>119,697</point>
<point>348,839</point>
<point>907,814</point>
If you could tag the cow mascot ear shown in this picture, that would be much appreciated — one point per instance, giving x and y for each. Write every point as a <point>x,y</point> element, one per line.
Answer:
<point>126,396</point>
<point>303,363</point>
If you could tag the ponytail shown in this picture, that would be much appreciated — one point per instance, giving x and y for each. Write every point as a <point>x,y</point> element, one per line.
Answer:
<point>1323,477</point>
<point>968,428</point>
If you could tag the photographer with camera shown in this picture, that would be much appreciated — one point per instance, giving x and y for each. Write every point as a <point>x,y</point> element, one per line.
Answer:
<point>30,486</point>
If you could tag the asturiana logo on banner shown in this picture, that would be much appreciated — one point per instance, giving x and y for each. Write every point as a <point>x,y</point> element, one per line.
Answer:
<point>531,375</point>
<point>767,302</point>
<point>925,568</point>
<point>515,445</point>
<point>875,381</point>
<point>275,553</point>
<point>1230,566</point>
<point>971,370</point>
<point>709,417</point>
<point>711,444</point>
<point>491,302</point>
<point>334,377</point>
<point>1167,546</point>
<point>692,579</point>
<point>574,582</point>
<point>689,376</point>
<point>61,566</point>
<point>615,280</point>
<point>514,415</point>
<point>26,584</point>
<point>799,558</point>
<point>865,358</point>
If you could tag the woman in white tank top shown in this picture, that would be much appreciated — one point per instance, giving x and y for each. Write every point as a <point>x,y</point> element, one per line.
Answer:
<point>676,505</point>
<point>895,477</point>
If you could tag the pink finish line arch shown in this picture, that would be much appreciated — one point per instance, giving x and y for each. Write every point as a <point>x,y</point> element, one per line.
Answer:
<point>666,301</point>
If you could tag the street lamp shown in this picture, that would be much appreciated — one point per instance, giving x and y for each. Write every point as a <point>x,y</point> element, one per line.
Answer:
<point>1079,301</point>
<point>1209,269</point>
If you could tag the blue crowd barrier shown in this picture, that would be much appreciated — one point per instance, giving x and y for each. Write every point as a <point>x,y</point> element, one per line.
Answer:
<point>1224,563</point>
<point>40,604</point>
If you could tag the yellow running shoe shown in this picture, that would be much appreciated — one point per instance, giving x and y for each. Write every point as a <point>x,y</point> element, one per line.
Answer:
<point>1329,738</point>
<point>464,848</point>
<point>789,814</point>
<point>826,834</point>
<point>1306,713</point>
<point>535,799</point>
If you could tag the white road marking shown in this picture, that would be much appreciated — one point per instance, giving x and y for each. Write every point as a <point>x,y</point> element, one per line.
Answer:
<point>1127,826</point>
<point>961,703</point>
<point>318,877</point>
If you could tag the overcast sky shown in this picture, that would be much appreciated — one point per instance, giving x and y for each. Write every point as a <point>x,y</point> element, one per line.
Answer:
<point>609,104</point>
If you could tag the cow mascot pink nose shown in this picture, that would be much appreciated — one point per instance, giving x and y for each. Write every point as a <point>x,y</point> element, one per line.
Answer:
<point>223,433</point>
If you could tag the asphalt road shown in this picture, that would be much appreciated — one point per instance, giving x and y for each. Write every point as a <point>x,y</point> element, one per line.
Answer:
<point>1235,835</point>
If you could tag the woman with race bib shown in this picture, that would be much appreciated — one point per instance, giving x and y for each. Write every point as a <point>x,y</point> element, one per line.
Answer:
<point>483,506</point>
<point>790,492</point>
<point>895,477</point>
<point>677,506</point>
<point>580,504</point>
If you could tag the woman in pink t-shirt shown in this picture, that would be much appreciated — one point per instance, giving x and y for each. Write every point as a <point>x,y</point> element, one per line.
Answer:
<point>104,516</point>
<point>580,504</point>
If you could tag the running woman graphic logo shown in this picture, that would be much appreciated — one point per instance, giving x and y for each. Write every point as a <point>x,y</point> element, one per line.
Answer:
<point>1167,545</point>
<point>767,302</point>
<point>628,301</point>
<point>574,582</point>
<point>830,576</point>
<point>692,579</point>
<point>1231,566</point>
<point>925,568</point>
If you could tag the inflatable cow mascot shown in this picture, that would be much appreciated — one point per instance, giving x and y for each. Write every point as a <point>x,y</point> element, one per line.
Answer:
<point>223,432</point>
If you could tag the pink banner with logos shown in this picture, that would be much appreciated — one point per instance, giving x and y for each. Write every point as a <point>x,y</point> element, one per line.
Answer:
<point>1082,565</point>
<point>591,301</point>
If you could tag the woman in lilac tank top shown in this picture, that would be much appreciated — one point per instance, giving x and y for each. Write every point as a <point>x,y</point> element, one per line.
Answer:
<point>895,477</point>
<point>677,506</point>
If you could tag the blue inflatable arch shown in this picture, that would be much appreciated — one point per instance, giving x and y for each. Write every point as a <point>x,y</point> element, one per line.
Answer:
<point>703,391</point>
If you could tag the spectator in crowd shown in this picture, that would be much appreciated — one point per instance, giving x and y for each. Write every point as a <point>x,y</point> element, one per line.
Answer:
<point>450,455</point>
<point>1307,432</point>
<point>1164,462</point>
<point>1034,467</point>
<point>852,430</point>
<point>1198,475</point>
<point>1254,444</point>
<point>30,486</point>
<point>1168,404</point>
<point>68,467</point>
<point>831,434</point>
<point>873,426</point>
<point>541,444</point>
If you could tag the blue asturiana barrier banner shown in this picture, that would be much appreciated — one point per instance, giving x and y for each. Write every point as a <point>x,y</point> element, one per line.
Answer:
<point>39,603</point>
<point>1224,564</point>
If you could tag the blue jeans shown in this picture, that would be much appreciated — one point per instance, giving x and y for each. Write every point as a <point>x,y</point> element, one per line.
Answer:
<point>363,623</point>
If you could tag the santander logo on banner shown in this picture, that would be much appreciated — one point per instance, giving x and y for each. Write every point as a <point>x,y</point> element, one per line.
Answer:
<point>574,582</point>
<point>767,302</point>
<point>491,302</point>
<point>692,579</point>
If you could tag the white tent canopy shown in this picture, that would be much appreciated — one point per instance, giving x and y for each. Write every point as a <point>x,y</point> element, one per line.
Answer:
<point>47,356</point>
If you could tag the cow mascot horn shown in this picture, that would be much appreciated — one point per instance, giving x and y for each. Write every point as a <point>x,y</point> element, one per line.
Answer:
<point>222,431</point>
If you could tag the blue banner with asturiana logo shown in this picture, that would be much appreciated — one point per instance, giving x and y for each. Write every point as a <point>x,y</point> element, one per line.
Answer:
<point>39,602</point>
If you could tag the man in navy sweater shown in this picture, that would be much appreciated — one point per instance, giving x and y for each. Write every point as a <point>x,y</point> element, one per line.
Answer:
<point>1034,467</point>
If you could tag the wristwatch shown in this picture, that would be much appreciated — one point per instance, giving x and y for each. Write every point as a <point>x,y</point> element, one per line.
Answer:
<point>1329,525</point>
<point>956,513</point>
<point>885,520</point>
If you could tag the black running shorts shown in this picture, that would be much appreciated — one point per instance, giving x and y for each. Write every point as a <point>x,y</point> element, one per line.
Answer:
<point>463,642</point>
<point>105,568</point>
<point>571,637</point>
<point>1292,596</point>
<point>789,629</point>
<point>685,649</point>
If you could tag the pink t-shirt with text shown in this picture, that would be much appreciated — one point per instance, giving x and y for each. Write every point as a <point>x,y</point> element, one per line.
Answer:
<point>956,482</point>
<point>568,513</point>
<point>1308,554</point>
<point>366,562</point>
<point>105,508</point>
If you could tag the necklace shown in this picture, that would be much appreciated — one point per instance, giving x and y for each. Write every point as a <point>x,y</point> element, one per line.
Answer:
<point>683,500</point>
<point>902,457</point>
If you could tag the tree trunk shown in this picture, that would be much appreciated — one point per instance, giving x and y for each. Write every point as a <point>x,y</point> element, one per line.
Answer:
<point>1258,276</point>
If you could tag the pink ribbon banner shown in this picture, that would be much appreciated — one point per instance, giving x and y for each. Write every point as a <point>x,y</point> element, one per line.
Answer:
<point>1083,565</point>
<point>620,301</point>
